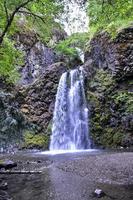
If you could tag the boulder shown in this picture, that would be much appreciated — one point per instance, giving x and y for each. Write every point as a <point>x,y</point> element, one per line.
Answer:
<point>99,193</point>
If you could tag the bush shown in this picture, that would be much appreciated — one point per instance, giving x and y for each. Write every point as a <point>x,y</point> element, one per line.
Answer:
<point>109,15</point>
<point>10,60</point>
<point>32,140</point>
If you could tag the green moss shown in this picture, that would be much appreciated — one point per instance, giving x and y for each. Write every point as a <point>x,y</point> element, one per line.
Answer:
<point>110,102</point>
<point>107,137</point>
<point>102,81</point>
<point>49,129</point>
<point>105,118</point>
<point>32,140</point>
<point>112,137</point>
<point>124,99</point>
<point>95,131</point>
<point>93,99</point>
<point>117,138</point>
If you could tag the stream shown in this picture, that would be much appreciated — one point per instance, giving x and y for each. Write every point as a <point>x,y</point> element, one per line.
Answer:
<point>71,176</point>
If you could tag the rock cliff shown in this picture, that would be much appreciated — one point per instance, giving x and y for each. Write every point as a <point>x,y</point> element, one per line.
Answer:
<point>27,110</point>
<point>109,67</point>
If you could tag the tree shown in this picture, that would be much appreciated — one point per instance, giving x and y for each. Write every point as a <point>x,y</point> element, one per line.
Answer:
<point>44,10</point>
<point>39,14</point>
<point>109,14</point>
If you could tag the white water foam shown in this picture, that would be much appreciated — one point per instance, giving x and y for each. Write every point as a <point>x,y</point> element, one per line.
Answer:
<point>70,121</point>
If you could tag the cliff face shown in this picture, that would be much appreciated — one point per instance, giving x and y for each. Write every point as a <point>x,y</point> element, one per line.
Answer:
<point>37,56</point>
<point>37,100</point>
<point>115,56</point>
<point>28,109</point>
<point>109,65</point>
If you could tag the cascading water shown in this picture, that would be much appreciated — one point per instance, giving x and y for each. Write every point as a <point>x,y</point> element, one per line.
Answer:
<point>70,121</point>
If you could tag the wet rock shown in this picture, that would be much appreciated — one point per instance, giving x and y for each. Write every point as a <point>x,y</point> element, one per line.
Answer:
<point>39,161</point>
<point>99,193</point>
<point>39,97</point>
<point>113,55</point>
<point>38,59</point>
<point>109,72</point>
<point>12,122</point>
<point>7,164</point>
<point>3,186</point>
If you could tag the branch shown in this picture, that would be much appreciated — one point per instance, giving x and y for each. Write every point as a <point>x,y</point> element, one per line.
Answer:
<point>23,4</point>
<point>32,14</point>
<point>103,3</point>
<point>6,11</point>
<point>11,18</point>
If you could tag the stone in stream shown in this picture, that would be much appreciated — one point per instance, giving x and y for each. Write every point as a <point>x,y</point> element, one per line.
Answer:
<point>39,161</point>
<point>99,193</point>
<point>3,186</point>
<point>7,164</point>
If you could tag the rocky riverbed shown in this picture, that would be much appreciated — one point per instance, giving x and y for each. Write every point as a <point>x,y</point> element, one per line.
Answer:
<point>72,176</point>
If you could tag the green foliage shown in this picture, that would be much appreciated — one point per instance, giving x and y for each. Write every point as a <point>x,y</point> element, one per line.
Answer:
<point>112,137</point>
<point>118,137</point>
<point>102,81</point>
<point>110,105</point>
<point>109,15</point>
<point>35,140</point>
<point>63,47</point>
<point>49,129</point>
<point>39,14</point>
<point>68,46</point>
<point>10,59</point>
<point>124,99</point>
<point>48,10</point>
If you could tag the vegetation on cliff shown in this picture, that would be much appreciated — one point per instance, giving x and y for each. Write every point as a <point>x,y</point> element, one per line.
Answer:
<point>35,15</point>
<point>27,45</point>
<point>109,15</point>
<point>111,111</point>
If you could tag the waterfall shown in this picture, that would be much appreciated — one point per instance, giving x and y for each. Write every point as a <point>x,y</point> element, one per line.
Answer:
<point>70,120</point>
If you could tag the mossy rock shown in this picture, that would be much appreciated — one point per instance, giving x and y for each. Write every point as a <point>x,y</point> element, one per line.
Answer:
<point>102,81</point>
<point>49,129</point>
<point>118,138</point>
<point>107,138</point>
<point>125,99</point>
<point>93,99</point>
<point>39,141</point>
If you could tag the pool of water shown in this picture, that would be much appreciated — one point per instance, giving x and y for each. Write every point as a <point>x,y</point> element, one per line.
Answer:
<point>69,176</point>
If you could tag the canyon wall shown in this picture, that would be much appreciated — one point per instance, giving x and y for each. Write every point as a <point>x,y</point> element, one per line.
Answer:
<point>109,68</point>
